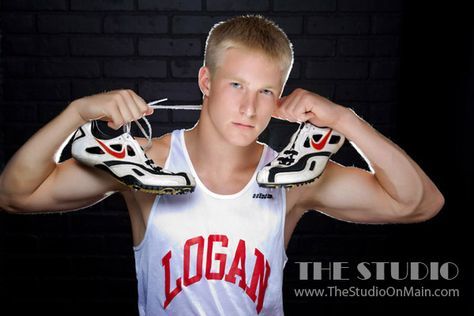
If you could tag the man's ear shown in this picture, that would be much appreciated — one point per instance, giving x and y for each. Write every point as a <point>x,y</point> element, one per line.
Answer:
<point>204,80</point>
<point>276,110</point>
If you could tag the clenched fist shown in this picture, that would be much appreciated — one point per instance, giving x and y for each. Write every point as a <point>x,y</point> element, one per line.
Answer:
<point>117,107</point>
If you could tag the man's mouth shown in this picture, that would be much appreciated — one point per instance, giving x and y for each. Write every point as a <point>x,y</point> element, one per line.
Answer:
<point>242,125</point>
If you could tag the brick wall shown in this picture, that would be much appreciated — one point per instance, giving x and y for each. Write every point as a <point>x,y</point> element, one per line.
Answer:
<point>55,51</point>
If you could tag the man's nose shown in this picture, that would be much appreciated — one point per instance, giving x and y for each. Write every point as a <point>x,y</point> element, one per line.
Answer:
<point>248,105</point>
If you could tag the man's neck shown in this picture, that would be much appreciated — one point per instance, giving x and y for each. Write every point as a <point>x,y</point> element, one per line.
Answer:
<point>209,149</point>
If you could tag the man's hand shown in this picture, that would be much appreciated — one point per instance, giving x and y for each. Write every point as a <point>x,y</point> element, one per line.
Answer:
<point>302,105</point>
<point>117,107</point>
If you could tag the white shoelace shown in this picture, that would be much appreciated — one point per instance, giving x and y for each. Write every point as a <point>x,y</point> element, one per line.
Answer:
<point>148,136</point>
<point>152,104</point>
<point>173,107</point>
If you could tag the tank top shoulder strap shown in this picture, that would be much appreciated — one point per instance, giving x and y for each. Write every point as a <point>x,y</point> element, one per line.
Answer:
<point>176,160</point>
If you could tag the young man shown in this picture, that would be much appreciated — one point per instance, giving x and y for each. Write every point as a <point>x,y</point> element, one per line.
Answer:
<point>220,250</point>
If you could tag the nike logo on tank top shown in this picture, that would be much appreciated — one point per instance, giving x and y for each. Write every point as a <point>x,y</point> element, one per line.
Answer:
<point>209,254</point>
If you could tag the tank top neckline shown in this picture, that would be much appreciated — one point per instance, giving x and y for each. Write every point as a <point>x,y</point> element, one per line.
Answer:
<point>203,186</point>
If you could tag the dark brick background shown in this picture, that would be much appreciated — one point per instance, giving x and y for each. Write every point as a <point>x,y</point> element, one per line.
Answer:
<point>407,69</point>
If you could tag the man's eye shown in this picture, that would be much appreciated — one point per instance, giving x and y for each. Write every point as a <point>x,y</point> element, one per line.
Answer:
<point>235,85</point>
<point>267,92</point>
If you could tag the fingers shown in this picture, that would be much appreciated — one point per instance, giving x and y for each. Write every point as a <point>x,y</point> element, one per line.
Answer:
<point>293,107</point>
<point>125,110</point>
<point>115,119</point>
<point>302,105</point>
<point>126,107</point>
<point>141,105</point>
<point>305,117</point>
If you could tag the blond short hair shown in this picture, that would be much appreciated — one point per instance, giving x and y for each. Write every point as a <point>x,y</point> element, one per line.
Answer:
<point>253,32</point>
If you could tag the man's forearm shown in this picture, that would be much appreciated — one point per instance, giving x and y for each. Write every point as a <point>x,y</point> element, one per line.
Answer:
<point>396,172</point>
<point>34,161</point>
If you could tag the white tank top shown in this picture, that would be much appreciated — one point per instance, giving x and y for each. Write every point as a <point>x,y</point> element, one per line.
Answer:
<point>210,254</point>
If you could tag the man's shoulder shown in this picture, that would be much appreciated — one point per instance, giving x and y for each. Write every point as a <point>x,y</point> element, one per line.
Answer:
<point>297,196</point>
<point>160,148</point>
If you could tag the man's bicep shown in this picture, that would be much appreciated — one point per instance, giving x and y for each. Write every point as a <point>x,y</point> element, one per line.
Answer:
<point>350,194</point>
<point>71,186</point>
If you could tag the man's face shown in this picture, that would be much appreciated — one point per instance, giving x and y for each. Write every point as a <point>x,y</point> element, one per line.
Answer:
<point>242,94</point>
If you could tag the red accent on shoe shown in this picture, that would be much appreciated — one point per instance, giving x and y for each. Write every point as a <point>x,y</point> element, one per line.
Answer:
<point>322,142</point>
<point>116,154</point>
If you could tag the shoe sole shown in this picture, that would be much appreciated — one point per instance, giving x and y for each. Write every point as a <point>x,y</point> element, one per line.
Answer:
<point>160,190</point>
<point>138,186</point>
<point>285,185</point>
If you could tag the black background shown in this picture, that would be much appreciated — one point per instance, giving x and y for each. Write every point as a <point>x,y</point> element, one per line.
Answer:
<point>406,68</point>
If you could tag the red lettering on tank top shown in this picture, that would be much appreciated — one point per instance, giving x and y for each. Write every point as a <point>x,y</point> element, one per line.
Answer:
<point>234,268</point>
<point>259,277</point>
<point>187,248</point>
<point>169,294</point>
<point>219,257</point>
<point>258,282</point>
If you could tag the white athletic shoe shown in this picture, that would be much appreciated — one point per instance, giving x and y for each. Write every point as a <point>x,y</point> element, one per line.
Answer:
<point>124,158</point>
<point>303,159</point>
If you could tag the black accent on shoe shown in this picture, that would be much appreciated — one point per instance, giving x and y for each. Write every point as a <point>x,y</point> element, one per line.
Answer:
<point>78,134</point>
<point>116,147</point>
<point>285,185</point>
<point>306,143</point>
<point>300,165</point>
<point>111,163</point>
<point>317,137</point>
<point>150,170</point>
<point>185,175</point>
<point>100,130</point>
<point>135,184</point>
<point>334,139</point>
<point>138,172</point>
<point>288,159</point>
<point>130,151</point>
<point>95,150</point>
